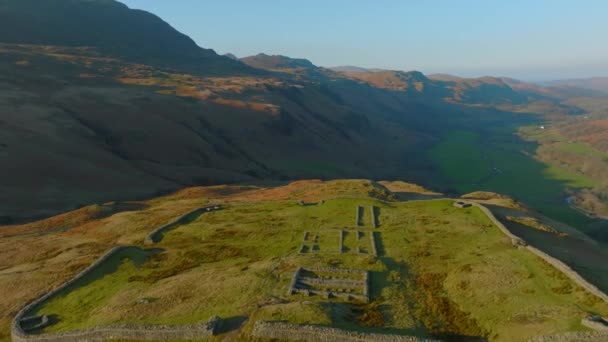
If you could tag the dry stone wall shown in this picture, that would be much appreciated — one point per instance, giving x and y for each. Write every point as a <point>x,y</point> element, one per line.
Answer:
<point>358,216</point>
<point>374,214</point>
<point>372,237</point>
<point>587,336</point>
<point>596,323</point>
<point>558,264</point>
<point>128,331</point>
<point>156,235</point>
<point>102,333</point>
<point>515,240</point>
<point>295,332</point>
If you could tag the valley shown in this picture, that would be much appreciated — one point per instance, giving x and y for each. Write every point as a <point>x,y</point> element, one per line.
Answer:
<point>155,189</point>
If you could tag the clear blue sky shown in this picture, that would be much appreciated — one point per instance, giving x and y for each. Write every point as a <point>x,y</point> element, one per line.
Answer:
<point>526,39</point>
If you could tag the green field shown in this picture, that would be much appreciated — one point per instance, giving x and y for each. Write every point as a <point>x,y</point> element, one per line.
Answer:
<point>441,271</point>
<point>505,164</point>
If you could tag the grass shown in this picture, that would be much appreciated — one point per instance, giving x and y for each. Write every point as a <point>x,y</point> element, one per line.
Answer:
<point>471,161</point>
<point>444,271</point>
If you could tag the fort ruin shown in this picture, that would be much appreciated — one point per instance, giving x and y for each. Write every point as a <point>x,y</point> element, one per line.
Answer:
<point>329,282</point>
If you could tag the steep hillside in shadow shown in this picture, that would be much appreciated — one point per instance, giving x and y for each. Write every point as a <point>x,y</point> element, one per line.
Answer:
<point>112,28</point>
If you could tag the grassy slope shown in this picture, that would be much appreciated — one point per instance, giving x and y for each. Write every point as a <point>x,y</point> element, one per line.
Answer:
<point>437,262</point>
<point>498,163</point>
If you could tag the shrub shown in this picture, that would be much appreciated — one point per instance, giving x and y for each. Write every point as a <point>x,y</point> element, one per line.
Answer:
<point>439,314</point>
<point>371,316</point>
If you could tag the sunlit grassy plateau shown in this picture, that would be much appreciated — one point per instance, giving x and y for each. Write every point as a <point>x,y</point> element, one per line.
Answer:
<point>440,271</point>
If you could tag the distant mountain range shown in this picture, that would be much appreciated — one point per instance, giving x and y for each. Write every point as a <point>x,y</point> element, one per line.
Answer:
<point>599,84</point>
<point>104,102</point>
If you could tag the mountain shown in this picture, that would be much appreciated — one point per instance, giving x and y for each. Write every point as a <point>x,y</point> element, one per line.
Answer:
<point>277,62</point>
<point>112,29</point>
<point>348,68</point>
<point>598,84</point>
<point>484,90</point>
<point>231,56</point>
<point>393,80</point>
<point>126,107</point>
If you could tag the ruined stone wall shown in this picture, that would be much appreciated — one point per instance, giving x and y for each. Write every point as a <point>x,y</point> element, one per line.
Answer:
<point>102,333</point>
<point>336,270</point>
<point>358,216</point>
<point>586,336</point>
<point>127,331</point>
<point>294,281</point>
<point>372,209</point>
<point>295,332</point>
<point>516,240</point>
<point>570,273</point>
<point>596,323</point>
<point>372,237</point>
<point>558,264</point>
<point>155,235</point>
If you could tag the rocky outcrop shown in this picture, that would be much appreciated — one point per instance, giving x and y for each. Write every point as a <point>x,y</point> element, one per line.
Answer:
<point>294,332</point>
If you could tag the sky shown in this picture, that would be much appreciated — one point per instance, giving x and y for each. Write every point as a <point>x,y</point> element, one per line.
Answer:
<point>531,40</point>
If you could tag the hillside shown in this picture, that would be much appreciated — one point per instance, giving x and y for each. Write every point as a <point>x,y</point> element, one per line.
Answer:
<point>457,265</point>
<point>140,110</point>
<point>276,62</point>
<point>113,29</point>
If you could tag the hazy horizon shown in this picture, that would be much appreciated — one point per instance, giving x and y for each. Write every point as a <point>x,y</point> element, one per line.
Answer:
<point>534,41</point>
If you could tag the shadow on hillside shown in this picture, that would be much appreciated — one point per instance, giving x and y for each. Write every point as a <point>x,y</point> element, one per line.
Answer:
<point>186,220</point>
<point>136,255</point>
<point>231,324</point>
<point>585,257</point>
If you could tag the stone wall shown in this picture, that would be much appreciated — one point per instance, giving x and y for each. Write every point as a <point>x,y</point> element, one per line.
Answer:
<point>346,287</point>
<point>372,237</point>
<point>156,235</point>
<point>358,216</point>
<point>596,323</point>
<point>295,332</point>
<point>17,331</point>
<point>515,240</point>
<point>373,211</point>
<point>558,264</point>
<point>336,270</point>
<point>586,336</point>
<point>294,281</point>
<point>102,333</point>
<point>128,331</point>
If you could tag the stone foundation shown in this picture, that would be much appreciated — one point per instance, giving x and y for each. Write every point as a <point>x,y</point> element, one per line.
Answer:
<point>342,285</point>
